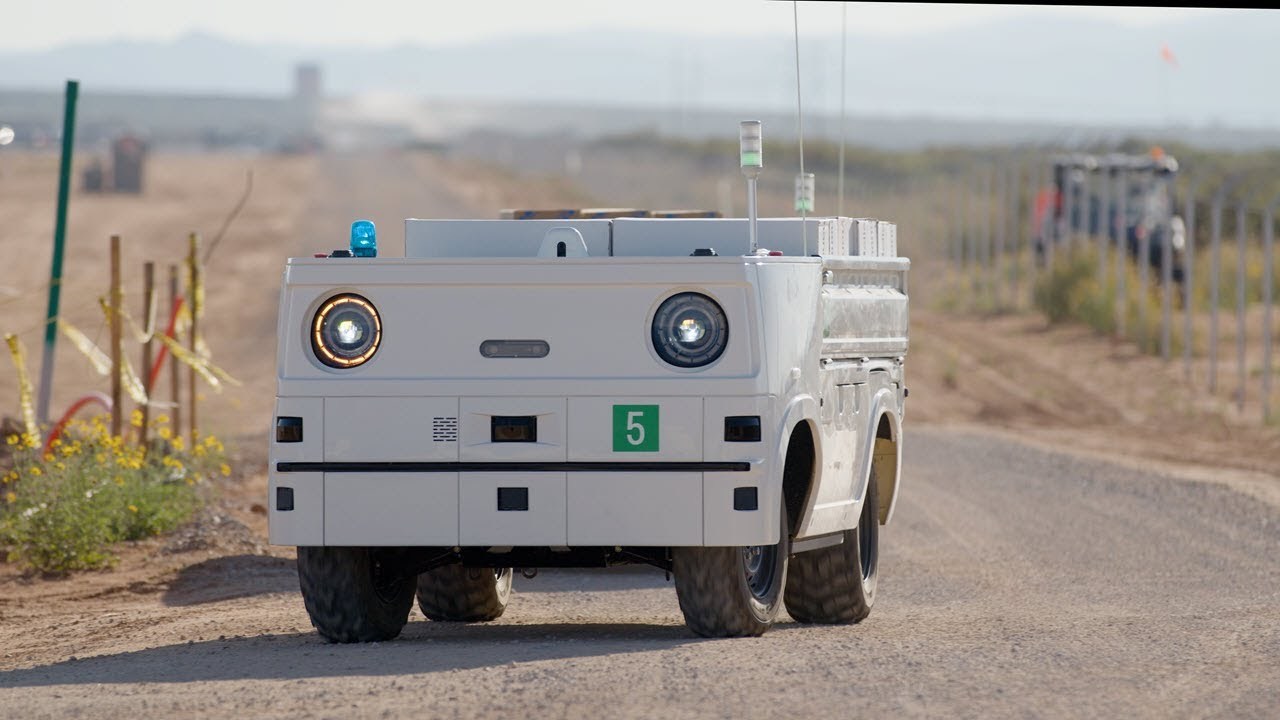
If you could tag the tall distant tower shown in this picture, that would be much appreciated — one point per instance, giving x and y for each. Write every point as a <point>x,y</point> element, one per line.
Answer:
<point>307,96</point>
<point>306,83</point>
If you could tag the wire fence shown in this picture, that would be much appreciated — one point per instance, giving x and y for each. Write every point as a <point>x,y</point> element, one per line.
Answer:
<point>177,340</point>
<point>1135,247</point>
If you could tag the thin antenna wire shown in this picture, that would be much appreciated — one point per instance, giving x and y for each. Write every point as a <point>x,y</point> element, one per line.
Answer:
<point>795,18</point>
<point>844,41</point>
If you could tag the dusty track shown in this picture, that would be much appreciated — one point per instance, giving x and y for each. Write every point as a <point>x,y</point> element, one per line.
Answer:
<point>1017,579</point>
<point>1015,582</point>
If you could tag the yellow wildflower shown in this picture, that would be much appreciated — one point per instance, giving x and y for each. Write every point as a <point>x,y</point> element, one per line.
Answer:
<point>226,470</point>
<point>35,470</point>
<point>11,497</point>
<point>29,440</point>
<point>120,480</point>
<point>12,440</point>
<point>135,418</point>
<point>165,433</point>
<point>162,419</point>
<point>133,508</point>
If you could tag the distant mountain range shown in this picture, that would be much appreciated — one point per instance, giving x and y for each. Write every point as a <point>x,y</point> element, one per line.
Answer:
<point>1208,82</point>
<point>1068,71</point>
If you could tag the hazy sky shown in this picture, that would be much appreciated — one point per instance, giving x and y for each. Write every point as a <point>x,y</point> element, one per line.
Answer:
<point>39,24</point>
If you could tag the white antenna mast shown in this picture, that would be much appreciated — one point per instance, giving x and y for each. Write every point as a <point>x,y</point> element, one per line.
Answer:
<point>844,41</point>
<point>801,180</point>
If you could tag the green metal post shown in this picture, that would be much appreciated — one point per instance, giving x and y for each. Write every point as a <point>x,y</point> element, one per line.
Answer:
<point>59,239</point>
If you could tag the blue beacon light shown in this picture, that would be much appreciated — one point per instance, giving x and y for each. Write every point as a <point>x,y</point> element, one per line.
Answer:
<point>364,239</point>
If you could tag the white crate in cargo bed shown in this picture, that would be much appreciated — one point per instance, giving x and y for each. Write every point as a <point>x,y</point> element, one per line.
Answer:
<point>649,237</point>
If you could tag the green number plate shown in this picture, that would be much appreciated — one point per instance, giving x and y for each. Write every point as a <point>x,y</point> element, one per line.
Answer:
<point>635,428</point>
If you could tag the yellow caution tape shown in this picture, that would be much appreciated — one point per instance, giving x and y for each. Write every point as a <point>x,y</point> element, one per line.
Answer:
<point>133,385</point>
<point>212,374</point>
<point>199,362</point>
<point>102,363</point>
<point>97,358</point>
<point>183,320</point>
<point>151,318</point>
<point>24,386</point>
<point>195,286</point>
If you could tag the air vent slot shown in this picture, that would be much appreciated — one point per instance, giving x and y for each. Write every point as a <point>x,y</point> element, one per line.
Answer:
<point>444,429</point>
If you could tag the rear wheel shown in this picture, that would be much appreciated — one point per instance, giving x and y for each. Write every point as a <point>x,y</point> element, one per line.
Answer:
<point>354,594</point>
<point>461,594</point>
<point>837,584</point>
<point>732,591</point>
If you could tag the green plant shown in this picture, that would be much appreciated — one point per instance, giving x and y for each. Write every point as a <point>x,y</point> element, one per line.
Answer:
<point>1071,292</point>
<point>62,509</point>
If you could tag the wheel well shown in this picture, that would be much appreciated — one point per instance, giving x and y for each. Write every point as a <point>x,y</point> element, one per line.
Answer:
<point>797,472</point>
<point>885,460</point>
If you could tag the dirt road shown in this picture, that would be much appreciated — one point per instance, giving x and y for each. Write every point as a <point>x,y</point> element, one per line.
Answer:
<point>1014,582</point>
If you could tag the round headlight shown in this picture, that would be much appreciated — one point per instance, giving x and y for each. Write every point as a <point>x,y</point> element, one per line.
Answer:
<point>346,331</point>
<point>690,330</point>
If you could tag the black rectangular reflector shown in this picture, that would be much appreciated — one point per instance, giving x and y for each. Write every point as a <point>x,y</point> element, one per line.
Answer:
<point>288,429</point>
<point>284,499</point>
<point>513,429</point>
<point>513,499</point>
<point>746,498</point>
<point>742,428</point>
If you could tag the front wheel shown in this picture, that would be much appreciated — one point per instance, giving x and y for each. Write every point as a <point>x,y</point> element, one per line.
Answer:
<point>732,591</point>
<point>354,594</point>
<point>837,584</point>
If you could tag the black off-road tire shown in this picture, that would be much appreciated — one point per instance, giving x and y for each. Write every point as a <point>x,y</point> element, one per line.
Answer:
<point>354,594</point>
<point>721,597</point>
<point>837,584</point>
<point>455,593</point>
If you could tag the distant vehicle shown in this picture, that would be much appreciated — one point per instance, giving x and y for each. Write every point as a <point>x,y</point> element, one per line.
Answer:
<point>1087,187</point>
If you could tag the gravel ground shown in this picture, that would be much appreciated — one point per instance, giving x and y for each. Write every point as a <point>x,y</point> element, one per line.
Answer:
<point>1016,579</point>
<point>1015,582</point>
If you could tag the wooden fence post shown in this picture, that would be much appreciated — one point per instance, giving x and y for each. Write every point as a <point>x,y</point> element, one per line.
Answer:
<point>175,389</point>
<point>149,317</point>
<point>117,356</point>
<point>193,302</point>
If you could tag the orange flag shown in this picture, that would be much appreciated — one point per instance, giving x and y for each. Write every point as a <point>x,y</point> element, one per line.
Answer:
<point>1167,55</point>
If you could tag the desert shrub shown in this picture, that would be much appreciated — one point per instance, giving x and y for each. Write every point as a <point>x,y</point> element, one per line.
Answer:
<point>61,510</point>
<point>1072,292</point>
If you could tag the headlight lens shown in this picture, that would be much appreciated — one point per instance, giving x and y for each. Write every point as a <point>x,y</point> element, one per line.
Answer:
<point>690,330</point>
<point>346,331</point>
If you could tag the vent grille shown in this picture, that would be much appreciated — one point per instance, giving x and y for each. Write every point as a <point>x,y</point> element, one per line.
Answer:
<point>444,429</point>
